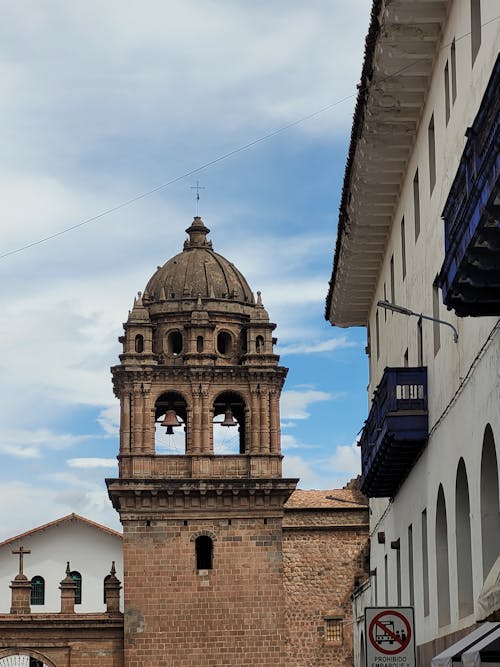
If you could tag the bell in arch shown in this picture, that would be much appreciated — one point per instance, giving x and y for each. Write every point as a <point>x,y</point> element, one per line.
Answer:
<point>170,421</point>
<point>229,419</point>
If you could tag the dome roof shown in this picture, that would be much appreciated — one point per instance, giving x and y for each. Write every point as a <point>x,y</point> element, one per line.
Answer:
<point>198,271</point>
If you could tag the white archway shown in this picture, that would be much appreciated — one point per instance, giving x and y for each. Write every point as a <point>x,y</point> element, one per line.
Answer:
<point>463,542</point>
<point>490,503</point>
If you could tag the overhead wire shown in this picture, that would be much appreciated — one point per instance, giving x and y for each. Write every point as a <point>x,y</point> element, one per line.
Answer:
<point>220,158</point>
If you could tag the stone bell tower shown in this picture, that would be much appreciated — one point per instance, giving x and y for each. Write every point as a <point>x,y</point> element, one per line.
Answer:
<point>203,574</point>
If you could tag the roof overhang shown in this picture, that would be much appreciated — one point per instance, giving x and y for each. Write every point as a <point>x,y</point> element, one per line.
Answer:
<point>400,49</point>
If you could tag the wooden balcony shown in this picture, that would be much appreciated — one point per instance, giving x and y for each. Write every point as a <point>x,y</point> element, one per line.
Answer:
<point>395,432</point>
<point>470,275</point>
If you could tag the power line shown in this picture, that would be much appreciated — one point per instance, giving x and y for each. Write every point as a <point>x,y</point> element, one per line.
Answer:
<point>216,160</point>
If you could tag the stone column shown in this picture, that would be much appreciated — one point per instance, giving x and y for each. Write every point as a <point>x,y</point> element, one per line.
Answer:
<point>21,595</point>
<point>112,588</point>
<point>255,427</point>
<point>125,424</point>
<point>68,589</point>
<point>148,426</point>
<point>274,409</point>
<point>196,421</point>
<point>206,424</point>
<point>264,422</point>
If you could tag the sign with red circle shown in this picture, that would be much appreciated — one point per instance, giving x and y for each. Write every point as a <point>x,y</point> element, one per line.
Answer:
<point>389,634</point>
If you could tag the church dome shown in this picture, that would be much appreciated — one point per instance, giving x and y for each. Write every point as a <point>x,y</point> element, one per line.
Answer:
<point>198,271</point>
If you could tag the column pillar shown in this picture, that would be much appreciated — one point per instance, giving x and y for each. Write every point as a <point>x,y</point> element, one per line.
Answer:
<point>264,422</point>
<point>255,422</point>
<point>67,588</point>
<point>206,424</point>
<point>125,413</point>
<point>275,431</point>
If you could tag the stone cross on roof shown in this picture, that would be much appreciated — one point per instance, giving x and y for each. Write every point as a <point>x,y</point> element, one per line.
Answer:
<point>20,552</point>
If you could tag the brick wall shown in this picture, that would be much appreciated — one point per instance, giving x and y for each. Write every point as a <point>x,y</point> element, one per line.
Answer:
<point>232,615</point>
<point>323,552</point>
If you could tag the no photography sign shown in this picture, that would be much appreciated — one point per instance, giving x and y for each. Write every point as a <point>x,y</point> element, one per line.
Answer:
<point>390,637</point>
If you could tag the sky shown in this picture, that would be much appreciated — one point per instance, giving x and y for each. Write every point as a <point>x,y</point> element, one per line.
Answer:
<point>104,103</point>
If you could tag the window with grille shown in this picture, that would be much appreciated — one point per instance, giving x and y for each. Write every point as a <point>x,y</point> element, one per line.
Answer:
<point>333,630</point>
<point>37,590</point>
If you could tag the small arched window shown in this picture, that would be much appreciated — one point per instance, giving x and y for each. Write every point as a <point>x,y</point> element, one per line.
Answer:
<point>204,552</point>
<point>224,343</point>
<point>77,578</point>
<point>199,344</point>
<point>37,590</point>
<point>174,342</point>
<point>259,344</point>
<point>139,343</point>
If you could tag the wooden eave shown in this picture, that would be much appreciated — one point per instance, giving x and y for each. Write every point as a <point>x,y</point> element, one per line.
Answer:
<point>400,49</point>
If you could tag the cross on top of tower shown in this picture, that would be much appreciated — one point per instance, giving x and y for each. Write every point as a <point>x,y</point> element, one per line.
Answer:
<point>197,187</point>
<point>20,552</point>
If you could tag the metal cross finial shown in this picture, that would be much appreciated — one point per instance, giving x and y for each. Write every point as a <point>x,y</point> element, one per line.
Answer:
<point>20,552</point>
<point>197,187</point>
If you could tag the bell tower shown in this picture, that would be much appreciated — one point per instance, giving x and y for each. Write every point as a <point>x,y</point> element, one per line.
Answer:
<point>202,529</point>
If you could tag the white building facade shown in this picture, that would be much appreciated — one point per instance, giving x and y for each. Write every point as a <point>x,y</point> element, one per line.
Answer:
<point>90,550</point>
<point>431,443</point>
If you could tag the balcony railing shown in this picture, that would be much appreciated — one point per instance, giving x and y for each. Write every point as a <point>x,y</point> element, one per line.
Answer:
<point>470,275</point>
<point>395,432</point>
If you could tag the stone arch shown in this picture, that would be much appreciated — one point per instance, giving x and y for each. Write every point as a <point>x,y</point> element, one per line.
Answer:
<point>173,440</point>
<point>201,533</point>
<point>490,504</point>
<point>463,542</point>
<point>28,653</point>
<point>442,561</point>
<point>229,442</point>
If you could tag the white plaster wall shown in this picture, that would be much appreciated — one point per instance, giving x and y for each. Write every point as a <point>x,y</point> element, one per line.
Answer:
<point>459,433</point>
<point>90,551</point>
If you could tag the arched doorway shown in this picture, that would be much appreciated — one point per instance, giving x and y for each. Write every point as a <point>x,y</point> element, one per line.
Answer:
<point>25,660</point>
<point>490,509</point>
<point>442,561</point>
<point>463,542</point>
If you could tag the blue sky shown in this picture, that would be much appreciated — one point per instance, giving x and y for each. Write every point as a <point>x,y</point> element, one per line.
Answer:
<point>101,103</point>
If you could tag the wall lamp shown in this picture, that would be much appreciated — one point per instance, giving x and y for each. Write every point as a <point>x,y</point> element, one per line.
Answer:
<point>406,311</point>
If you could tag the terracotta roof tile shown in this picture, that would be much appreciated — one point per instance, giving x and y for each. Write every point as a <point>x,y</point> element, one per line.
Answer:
<point>326,499</point>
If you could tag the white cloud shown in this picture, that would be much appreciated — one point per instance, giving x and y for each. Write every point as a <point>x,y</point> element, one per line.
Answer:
<point>25,443</point>
<point>295,403</point>
<point>92,462</point>
<point>316,348</point>
<point>347,458</point>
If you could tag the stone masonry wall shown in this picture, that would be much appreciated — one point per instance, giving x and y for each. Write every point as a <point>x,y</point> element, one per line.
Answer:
<point>323,552</point>
<point>73,640</point>
<point>177,616</point>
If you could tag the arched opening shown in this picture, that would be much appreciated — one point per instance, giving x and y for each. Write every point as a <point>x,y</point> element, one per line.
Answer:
<point>224,343</point>
<point>204,549</point>
<point>259,344</point>
<point>139,343</point>
<point>463,542</point>
<point>170,407</point>
<point>33,659</point>
<point>77,578</point>
<point>37,590</point>
<point>442,561</point>
<point>229,423</point>
<point>490,509</point>
<point>174,342</point>
<point>199,344</point>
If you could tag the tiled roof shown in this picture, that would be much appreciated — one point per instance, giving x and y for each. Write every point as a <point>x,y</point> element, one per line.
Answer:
<point>326,499</point>
<point>57,522</point>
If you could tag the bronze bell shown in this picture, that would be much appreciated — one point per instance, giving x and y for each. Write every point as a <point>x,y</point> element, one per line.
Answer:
<point>170,421</point>
<point>229,419</point>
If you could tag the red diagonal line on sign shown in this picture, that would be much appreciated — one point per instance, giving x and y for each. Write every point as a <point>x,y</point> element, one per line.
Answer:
<point>389,632</point>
